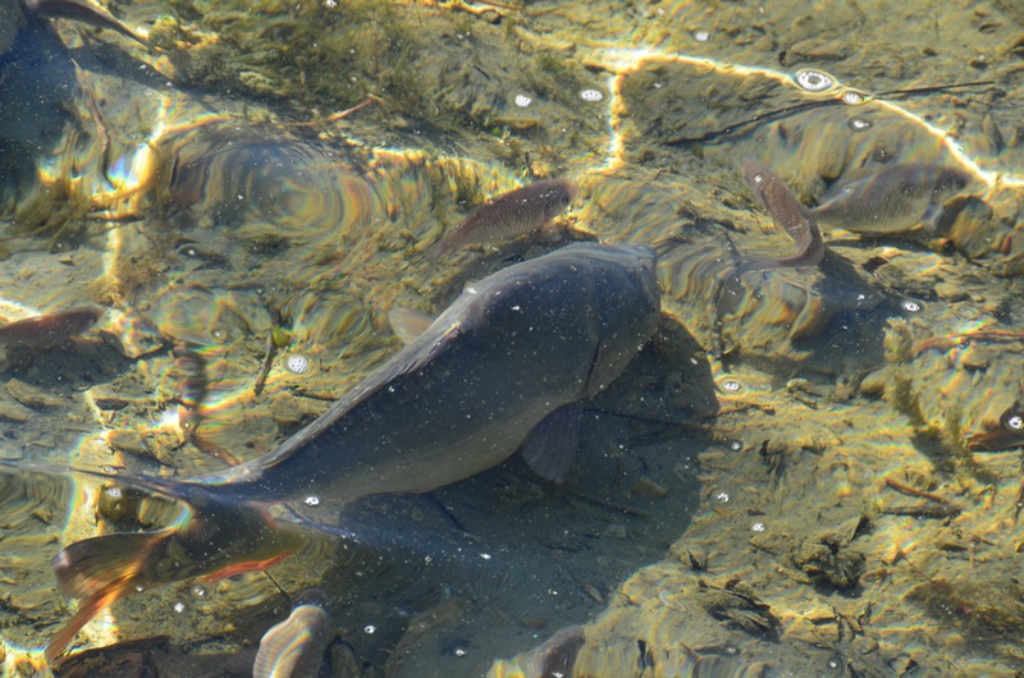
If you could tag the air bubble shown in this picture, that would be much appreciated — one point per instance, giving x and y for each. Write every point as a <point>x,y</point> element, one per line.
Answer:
<point>219,334</point>
<point>758,527</point>
<point>723,497</point>
<point>858,124</point>
<point>701,36</point>
<point>311,501</point>
<point>731,386</point>
<point>814,81</point>
<point>1015,422</point>
<point>369,629</point>
<point>179,607</point>
<point>199,591</point>
<point>459,652</point>
<point>591,95</point>
<point>114,492</point>
<point>522,101</point>
<point>297,363</point>
<point>852,97</point>
<point>735,446</point>
<point>911,306</point>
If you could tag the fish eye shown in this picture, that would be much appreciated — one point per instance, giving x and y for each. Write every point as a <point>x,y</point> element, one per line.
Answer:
<point>187,249</point>
<point>814,81</point>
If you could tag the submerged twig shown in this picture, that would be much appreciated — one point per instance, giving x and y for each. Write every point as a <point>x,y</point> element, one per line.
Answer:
<point>939,508</point>
<point>268,360</point>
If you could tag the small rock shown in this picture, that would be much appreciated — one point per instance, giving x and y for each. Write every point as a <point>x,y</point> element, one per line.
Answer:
<point>645,488</point>
<point>950,292</point>
<point>617,530</point>
<point>12,411</point>
<point>110,402</point>
<point>32,396</point>
<point>127,441</point>
<point>874,383</point>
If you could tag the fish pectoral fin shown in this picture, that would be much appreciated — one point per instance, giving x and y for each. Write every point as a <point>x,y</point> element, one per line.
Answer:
<point>551,445</point>
<point>408,323</point>
<point>931,217</point>
<point>610,359</point>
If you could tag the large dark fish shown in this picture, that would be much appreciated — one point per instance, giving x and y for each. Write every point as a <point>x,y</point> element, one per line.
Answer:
<point>789,216</point>
<point>505,365</point>
<point>509,215</point>
<point>894,199</point>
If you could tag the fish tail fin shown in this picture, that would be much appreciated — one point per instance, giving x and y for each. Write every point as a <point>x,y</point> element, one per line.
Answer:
<point>99,570</point>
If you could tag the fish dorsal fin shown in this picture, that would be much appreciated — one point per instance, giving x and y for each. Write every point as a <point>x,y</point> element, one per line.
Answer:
<point>408,323</point>
<point>551,445</point>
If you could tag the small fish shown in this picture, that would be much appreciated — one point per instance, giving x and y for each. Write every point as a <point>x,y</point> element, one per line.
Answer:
<point>509,215</point>
<point>789,216</point>
<point>295,647</point>
<point>895,199</point>
<point>51,329</point>
<point>80,10</point>
<point>515,352</point>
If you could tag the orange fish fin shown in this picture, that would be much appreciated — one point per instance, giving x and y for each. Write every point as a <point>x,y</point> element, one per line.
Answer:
<point>88,567</point>
<point>87,609</point>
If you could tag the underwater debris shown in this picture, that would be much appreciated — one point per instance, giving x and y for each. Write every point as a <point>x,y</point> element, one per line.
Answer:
<point>826,561</point>
<point>937,507</point>
<point>734,605</point>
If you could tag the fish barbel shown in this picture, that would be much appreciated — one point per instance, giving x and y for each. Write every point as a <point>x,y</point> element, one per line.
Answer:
<point>504,366</point>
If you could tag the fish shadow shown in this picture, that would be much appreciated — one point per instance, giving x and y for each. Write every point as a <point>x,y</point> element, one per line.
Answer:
<point>506,543</point>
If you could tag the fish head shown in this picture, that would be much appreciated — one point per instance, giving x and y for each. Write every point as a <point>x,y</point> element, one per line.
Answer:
<point>627,305</point>
<point>950,181</point>
<point>557,197</point>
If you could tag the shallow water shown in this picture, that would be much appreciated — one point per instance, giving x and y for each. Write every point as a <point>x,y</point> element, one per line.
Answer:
<point>809,471</point>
